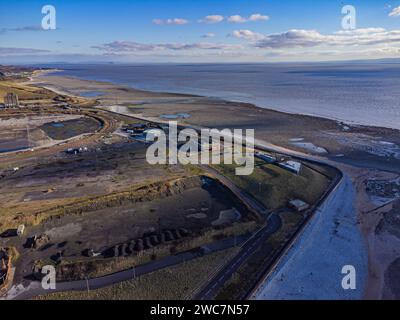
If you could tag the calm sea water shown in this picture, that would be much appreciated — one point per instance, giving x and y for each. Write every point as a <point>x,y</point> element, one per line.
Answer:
<point>361,93</point>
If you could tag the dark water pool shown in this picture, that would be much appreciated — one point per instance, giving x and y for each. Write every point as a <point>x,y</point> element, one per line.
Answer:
<point>4,150</point>
<point>92,94</point>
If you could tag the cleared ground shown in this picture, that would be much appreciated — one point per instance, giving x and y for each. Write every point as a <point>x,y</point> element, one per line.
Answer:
<point>106,209</point>
<point>22,132</point>
<point>70,128</point>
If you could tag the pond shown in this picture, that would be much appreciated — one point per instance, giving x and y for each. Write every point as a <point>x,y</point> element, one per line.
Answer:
<point>67,129</point>
<point>57,124</point>
<point>4,150</point>
<point>92,94</point>
<point>175,116</point>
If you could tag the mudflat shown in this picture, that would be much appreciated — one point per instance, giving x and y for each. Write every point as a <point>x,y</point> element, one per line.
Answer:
<point>361,152</point>
<point>348,143</point>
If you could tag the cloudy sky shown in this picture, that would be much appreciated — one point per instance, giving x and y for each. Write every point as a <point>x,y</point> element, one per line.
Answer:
<point>198,31</point>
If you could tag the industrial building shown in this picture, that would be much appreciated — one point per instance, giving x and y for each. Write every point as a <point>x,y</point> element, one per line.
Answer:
<point>21,230</point>
<point>292,166</point>
<point>266,157</point>
<point>299,205</point>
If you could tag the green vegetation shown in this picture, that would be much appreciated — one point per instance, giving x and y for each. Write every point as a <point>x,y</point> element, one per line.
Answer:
<point>246,276</point>
<point>194,170</point>
<point>274,186</point>
<point>177,282</point>
<point>291,221</point>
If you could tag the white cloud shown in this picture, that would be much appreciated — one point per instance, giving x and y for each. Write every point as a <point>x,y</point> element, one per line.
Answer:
<point>237,19</point>
<point>175,21</point>
<point>395,12</point>
<point>258,17</point>
<point>22,29</point>
<point>234,18</point>
<point>386,50</point>
<point>209,35</point>
<point>212,19</point>
<point>311,38</point>
<point>361,31</point>
<point>20,51</point>
<point>131,46</point>
<point>254,17</point>
<point>247,35</point>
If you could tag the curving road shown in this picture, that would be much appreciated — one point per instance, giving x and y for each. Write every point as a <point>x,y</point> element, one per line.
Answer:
<point>247,199</point>
<point>35,289</point>
<point>249,244</point>
<point>273,224</point>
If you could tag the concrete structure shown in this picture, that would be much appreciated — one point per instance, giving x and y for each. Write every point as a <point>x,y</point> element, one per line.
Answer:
<point>298,205</point>
<point>21,230</point>
<point>76,150</point>
<point>11,100</point>
<point>292,166</point>
<point>135,128</point>
<point>154,132</point>
<point>265,157</point>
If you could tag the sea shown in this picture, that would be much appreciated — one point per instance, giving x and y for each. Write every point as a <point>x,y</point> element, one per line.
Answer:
<point>364,93</point>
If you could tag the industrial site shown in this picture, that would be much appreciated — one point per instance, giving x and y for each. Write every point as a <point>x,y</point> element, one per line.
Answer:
<point>78,194</point>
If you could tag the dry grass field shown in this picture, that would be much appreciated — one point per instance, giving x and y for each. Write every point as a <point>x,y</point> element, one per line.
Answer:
<point>177,282</point>
<point>25,93</point>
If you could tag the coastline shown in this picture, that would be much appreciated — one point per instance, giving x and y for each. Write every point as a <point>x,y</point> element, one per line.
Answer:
<point>290,89</point>
<point>244,102</point>
<point>318,256</point>
<point>273,126</point>
<point>343,143</point>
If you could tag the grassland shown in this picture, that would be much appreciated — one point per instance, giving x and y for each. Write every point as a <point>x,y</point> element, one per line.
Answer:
<point>246,276</point>
<point>177,282</point>
<point>290,222</point>
<point>274,186</point>
<point>30,94</point>
<point>24,92</point>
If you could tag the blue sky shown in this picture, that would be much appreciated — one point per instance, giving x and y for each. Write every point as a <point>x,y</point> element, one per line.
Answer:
<point>177,30</point>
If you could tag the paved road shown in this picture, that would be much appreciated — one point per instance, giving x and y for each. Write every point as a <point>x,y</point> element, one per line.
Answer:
<point>35,289</point>
<point>210,290</point>
<point>273,225</point>
<point>250,245</point>
<point>242,195</point>
<point>225,273</point>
